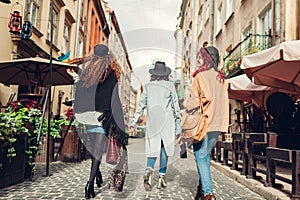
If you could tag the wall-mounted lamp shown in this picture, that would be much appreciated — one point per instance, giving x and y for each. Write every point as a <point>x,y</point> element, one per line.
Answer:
<point>5,1</point>
<point>15,22</point>
<point>26,30</point>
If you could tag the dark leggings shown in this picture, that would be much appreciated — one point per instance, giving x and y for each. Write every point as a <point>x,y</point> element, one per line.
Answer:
<point>96,148</point>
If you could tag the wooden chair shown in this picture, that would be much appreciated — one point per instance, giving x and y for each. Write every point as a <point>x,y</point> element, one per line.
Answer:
<point>10,99</point>
<point>288,157</point>
<point>256,151</point>
<point>237,150</point>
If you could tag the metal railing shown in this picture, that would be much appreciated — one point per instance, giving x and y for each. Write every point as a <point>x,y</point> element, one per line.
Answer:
<point>253,43</point>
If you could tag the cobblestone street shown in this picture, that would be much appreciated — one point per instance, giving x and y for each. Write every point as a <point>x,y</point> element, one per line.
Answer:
<point>68,180</point>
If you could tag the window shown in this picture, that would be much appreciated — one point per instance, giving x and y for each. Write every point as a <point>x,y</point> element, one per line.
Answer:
<point>66,39</point>
<point>33,12</point>
<point>244,44</point>
<point>55,25</point>
<point>265,22</point>
<point>247,32</point>
<point>206,9</point>
<point>228,9</point>
<point>219,19</point>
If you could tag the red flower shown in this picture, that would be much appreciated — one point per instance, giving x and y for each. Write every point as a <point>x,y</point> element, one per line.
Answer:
<point>25,103</point>
<point>69,113</point>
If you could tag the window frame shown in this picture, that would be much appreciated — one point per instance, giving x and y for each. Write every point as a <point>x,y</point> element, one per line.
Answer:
<point>229,9</point>
<point>35,20</point>
<point>219,19</point>
<point>263,18</point>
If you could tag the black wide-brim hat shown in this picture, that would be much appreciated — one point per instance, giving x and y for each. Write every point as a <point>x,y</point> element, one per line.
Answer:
<point>160,69</point>
<point>101,50</point>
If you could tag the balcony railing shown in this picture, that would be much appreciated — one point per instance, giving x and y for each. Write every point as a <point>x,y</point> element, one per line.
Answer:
<point>253,43</point>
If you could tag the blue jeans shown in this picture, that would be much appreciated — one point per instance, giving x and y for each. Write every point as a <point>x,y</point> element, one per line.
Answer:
<point>202,152</point>
<point>163,161</point>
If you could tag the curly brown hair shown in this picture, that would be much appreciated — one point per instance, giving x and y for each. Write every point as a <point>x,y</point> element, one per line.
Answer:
<point>95,69</point>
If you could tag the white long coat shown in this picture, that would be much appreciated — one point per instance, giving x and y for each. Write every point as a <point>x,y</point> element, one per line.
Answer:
<point>160,124</point>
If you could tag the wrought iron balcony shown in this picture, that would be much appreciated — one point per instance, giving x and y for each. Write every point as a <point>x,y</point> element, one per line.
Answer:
<point>253,43</point>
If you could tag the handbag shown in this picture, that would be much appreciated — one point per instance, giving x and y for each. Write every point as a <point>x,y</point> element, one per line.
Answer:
<point>117,176</point>
<point>194,121</point>
<point>113,151</point>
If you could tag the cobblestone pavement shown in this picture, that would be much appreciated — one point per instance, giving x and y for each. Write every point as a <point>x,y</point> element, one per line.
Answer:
<point>68,180</point>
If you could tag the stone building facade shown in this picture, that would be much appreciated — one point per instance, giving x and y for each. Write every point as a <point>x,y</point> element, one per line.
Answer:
<point>237,28</point>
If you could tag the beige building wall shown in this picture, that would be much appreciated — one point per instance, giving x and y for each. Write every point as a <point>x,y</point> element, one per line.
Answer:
<point>38,45</point>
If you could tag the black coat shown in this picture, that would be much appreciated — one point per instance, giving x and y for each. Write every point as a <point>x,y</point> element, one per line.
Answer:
<point>103,97</point>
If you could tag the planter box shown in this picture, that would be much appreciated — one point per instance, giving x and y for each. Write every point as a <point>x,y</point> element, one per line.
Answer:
<point>70,151</point>
<point>12,171</point>
<point>42,152</point>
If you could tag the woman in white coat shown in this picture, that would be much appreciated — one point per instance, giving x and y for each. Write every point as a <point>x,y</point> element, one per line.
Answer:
<point>160,98</point>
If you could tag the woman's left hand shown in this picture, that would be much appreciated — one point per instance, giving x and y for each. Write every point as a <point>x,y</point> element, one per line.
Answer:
<point>70,71</point>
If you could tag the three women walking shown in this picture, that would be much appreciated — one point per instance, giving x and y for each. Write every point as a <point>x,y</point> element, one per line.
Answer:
<point>101,118</point>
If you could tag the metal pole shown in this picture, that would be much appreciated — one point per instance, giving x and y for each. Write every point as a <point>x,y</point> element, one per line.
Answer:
<point>77,28</point>
<point>50,85</point>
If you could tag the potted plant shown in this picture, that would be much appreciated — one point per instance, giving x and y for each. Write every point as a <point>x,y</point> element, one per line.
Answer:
<point>12,146</point>
<point>28,115</point>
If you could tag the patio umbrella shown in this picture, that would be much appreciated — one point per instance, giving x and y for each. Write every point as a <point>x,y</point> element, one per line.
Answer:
<point>34,70</point>
<point>241,88</point>
<point>277,67</point>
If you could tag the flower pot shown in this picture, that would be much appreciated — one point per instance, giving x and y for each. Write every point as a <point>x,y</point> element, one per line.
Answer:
<point>12,171</point>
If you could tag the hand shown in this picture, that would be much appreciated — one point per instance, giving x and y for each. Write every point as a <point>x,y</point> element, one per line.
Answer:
<point>70,71</point>
<point>131,128</point>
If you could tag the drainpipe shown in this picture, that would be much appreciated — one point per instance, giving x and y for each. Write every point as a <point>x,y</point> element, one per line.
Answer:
<point>273,31</point>
<point>194,33</point>
<point>276,22</point>
<point>212,21</point>
<point>77,28</point>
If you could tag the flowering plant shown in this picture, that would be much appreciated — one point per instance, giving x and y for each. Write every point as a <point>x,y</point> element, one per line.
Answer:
<point>25,116</point>
<point>69,113</point>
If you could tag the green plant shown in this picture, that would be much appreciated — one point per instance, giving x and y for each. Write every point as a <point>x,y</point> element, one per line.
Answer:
<point>25,117</point>
<point>11,125</point>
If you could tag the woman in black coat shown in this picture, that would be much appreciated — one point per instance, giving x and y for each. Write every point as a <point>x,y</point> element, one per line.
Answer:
<point>98,111</point>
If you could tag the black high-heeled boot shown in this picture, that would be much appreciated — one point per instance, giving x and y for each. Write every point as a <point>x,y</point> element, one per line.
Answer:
<point>89,190</point>
<point>99,179</point>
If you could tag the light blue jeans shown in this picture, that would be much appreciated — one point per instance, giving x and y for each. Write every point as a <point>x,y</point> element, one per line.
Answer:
<point>202,152</point>
<point>163,161</point>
